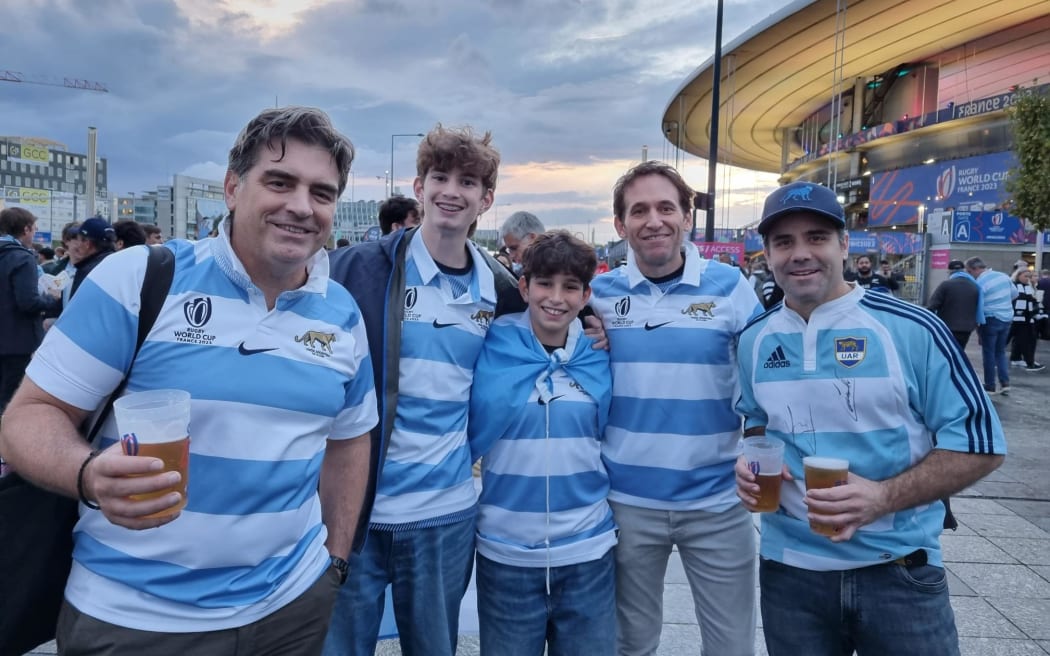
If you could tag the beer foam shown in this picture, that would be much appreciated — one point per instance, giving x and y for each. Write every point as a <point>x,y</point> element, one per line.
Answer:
<point>819,462</point>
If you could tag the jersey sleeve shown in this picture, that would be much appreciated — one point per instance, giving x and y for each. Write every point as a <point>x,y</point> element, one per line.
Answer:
<point>87,352</point>
<point>746,405</point>
<point>949,396</point>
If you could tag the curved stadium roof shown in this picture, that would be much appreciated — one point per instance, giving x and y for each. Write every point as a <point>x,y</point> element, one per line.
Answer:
<point>783,68</point>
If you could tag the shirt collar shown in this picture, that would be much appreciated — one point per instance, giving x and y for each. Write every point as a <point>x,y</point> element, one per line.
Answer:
<point>694,266</point>
<point>230,264</point>
<point>482,283</point>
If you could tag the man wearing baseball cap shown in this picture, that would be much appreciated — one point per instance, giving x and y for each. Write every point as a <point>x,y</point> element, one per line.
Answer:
<point>957,301</point>
<point>94,240</point>
<point>881,378</point>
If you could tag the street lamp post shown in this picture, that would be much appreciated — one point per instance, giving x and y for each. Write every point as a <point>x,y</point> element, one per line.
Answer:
<point>417,134</point>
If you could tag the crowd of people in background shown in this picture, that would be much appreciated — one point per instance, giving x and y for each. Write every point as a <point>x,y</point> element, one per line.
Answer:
<point>603,407</point>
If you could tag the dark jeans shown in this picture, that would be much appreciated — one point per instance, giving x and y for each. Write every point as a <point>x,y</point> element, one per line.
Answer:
<point>12,369</point>
<point>518,616</point>
<point>993,351</point>
<point>298,629</point>
<point>877,611</point>
<point>428,570</point>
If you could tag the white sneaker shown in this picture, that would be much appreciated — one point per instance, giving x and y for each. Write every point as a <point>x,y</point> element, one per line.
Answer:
<point>1016,363</point>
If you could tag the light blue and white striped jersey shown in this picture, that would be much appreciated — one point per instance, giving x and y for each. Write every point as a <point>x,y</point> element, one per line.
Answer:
<point>673,435</point>
<point>543,481</point>
<point>998,293</point>
<point>876,381</point>
<point>268,387</point>
<point>427,473</point>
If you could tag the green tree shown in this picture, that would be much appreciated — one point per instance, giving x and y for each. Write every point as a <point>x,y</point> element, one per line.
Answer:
<point>1029,182</point>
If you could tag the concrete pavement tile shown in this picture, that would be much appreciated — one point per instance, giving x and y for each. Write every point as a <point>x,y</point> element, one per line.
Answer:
<point>675,571</point>
<point>956,586</point>
<point>1015,581</point>
<point>973,506</point>
<point>1041,522</point>
<point>999,647</point>
<point>1027,550</point>
<point>1045,644</point>
<point>46,648</point>
<point>1042,570</point>
<point>678,604</point>
<point>1003,526</point>
<point>976,618</point>
<point>679,640</point>
<point>972,549</point>
<point>1002,489</point>
<point>1025,507</point>
<point>1029,615</point>
<point>468,646</point>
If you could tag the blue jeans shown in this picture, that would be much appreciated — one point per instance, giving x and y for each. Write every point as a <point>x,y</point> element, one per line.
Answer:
<point>518,617</point>
<point>993,351</point>
<point>878,610</point>
<point>428,570</point>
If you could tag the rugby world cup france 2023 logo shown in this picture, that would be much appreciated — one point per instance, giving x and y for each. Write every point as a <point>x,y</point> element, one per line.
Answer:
<point>197,311</point>
<point>946,183</point>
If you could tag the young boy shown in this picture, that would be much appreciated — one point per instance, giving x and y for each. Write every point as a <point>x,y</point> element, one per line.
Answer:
<point>545,532</point>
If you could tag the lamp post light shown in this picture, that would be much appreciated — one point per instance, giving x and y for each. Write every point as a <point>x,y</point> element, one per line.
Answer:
<point>417,134</point>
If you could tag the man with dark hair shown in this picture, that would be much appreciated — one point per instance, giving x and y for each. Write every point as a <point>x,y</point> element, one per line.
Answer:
<point>22,306</point>
<point>518,231</point>
<point>128,233</point>
<point>153,234</point>
<point>845,374</point>
<point>278,455</point>
<point>342,242</point>
<point>398,212</point>
<point>62,253</point>
<point>672,435</point>
<point>869,279</point>
<point>957,301</point>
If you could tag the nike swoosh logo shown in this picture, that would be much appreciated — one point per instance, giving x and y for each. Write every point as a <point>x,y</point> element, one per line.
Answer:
<point>438,324</point>
<point>553,399</point>
<point>654,326</point>
<point>245,351</point>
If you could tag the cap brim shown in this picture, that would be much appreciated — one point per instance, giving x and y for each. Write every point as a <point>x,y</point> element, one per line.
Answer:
<point>768,221</point>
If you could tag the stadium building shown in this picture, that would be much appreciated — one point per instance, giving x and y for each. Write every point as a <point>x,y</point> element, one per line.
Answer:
<point>901,107</point>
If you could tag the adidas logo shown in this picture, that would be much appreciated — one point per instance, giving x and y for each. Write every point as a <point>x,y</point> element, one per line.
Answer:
<point>777,359</point>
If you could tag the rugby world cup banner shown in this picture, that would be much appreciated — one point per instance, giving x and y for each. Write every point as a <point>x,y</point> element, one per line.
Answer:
<point>901,243</point>
<point>971,183</point>
<point>996,227</point>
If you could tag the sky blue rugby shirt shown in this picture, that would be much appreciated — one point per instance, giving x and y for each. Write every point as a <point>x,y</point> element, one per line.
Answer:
<point>268,388</point>
<point>427,473</point>
<point>673,435</point>
<point>872,379</point>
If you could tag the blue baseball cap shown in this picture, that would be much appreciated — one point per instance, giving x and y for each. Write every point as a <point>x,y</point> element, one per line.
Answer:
<point>96,228</point>
<point>801,197</point>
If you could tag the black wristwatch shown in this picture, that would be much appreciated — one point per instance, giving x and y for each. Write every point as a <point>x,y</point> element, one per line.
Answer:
<point>342,567</point>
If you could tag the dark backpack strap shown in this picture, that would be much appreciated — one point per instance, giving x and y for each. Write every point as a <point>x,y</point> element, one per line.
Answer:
<point>160,270</point>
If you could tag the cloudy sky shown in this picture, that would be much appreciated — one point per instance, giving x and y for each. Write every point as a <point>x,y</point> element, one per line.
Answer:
<point>571,89</point>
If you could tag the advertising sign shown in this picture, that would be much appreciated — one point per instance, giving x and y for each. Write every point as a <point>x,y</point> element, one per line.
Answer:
<point>987,227</point>
<point>897,195</point>
<point>29,152</point>
<point>939,259</point>
<point>863,242</point>
<point>712,249</point>
<point>900,243</point>
<point>752,241</point>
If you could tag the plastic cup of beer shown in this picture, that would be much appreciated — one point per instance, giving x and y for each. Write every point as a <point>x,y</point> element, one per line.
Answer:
<point>765,459</point>
<point>823,473</point>
<point>156,423</point>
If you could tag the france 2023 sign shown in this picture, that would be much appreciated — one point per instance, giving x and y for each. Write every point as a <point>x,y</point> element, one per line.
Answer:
<point>973,184</point>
